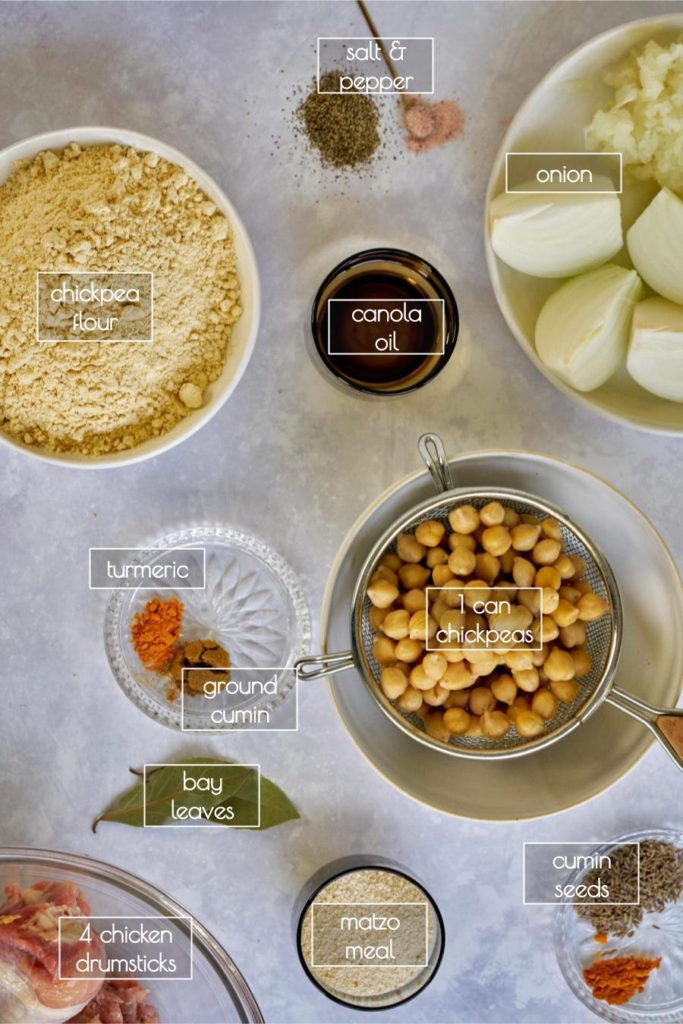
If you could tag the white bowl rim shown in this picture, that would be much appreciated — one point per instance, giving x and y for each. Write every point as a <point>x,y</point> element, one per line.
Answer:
<point>658,23</point>
<point>473,455</point>
<point>58,139</point>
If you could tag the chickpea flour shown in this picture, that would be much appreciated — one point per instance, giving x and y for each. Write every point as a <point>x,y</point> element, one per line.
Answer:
<point>110,208</point>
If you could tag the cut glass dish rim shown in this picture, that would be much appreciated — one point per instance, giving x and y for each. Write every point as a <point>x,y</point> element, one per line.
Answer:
<point>167,714</point>
<point>568,958</point>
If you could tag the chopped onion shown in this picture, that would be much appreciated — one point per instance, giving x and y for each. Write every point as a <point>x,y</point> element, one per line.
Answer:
<point>655,244</point>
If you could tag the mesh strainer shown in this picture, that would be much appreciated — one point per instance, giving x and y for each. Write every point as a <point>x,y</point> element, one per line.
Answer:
<point>603,636</point>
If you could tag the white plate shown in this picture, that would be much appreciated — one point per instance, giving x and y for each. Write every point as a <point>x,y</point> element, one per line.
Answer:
<point>609,744</point>
<point>244,333</point>
<point>552,119</point>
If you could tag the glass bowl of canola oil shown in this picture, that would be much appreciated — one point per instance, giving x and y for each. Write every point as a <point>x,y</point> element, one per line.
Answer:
<point>384,322</point>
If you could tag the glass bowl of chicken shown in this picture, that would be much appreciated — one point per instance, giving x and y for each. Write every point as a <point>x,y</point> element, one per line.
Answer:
<point>82,941</point>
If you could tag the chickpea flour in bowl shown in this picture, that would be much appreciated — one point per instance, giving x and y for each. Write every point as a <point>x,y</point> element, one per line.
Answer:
<point>369,936</point>
<point>105,210</point>
<point>250,619</point>
<point>51,885</point>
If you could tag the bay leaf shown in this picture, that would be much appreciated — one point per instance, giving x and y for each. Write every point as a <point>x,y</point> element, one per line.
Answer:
<point>276,807</point>
<point>127,809</point>
<point>164,784</point>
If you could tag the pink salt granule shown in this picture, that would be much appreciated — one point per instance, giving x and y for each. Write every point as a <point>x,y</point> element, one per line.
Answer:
<point>432,124</point>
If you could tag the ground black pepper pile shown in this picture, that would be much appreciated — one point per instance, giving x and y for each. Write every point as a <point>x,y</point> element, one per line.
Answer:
<point>661,883</point>
<point>343,127</point>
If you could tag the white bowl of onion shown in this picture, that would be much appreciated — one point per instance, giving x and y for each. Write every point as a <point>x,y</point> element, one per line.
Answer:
<point>553,119</point>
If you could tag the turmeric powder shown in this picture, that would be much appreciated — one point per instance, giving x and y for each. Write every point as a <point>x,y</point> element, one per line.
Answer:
<point>155,631</point>
<point>618,979</point>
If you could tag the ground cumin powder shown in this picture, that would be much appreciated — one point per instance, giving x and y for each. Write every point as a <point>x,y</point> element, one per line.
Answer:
<point>196,655</point>
<point>111,208</point>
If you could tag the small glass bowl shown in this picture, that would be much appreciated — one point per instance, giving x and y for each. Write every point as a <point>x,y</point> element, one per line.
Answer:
<point>253,605</point>
<point>658,935</point>
<point>391,998</point>
<point>429,284</point>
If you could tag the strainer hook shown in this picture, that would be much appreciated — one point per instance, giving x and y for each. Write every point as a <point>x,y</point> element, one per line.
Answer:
<point>324,665</point>
<point>433,454</point>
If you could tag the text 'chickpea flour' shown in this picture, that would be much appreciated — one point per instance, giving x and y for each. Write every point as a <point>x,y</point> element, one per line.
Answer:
<point>109,208</point>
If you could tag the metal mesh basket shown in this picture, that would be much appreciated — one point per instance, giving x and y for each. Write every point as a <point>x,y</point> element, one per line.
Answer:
<point>603,635</point>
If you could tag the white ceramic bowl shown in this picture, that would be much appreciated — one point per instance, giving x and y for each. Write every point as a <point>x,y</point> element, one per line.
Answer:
<point>244,332</point>
<point>552,118</point>
<point>605,747</point>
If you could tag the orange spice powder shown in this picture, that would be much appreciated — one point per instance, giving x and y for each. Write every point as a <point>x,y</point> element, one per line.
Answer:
<point>155,631</point>
<point>618,979</point>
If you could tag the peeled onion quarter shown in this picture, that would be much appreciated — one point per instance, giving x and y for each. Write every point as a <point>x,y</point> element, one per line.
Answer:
<point>655,244</point>
<point>655,355</point>
<point>555,235</point>
<point>582,330</point>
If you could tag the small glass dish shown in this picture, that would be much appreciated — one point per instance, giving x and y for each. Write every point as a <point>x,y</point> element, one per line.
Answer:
<point>253,605</point>
<point>658,935</point>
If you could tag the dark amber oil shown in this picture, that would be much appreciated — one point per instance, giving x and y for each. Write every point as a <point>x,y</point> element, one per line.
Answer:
<point>372,283</point>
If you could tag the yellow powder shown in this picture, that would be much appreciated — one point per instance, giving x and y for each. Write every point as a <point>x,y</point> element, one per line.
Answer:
<point>111,208</point>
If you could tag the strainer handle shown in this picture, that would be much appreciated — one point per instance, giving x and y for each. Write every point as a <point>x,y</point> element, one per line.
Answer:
<point>433,454</point>
<point>666,724</point>
<point>328,665</point>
